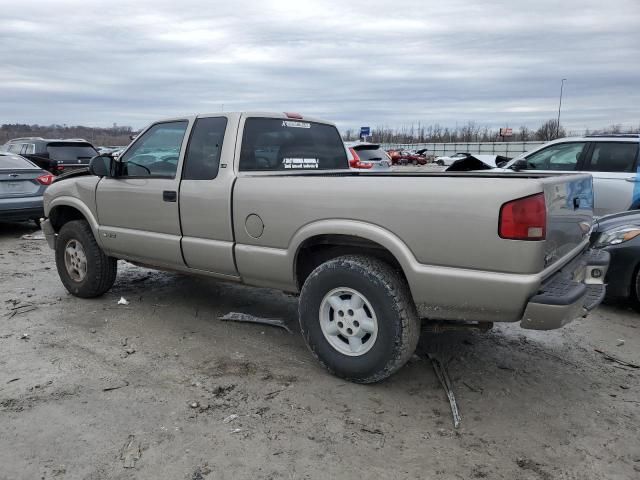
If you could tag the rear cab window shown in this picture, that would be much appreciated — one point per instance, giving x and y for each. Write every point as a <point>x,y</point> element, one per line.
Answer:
<point>271,144</point>
<point>613,157</point>
<point>71,151</point>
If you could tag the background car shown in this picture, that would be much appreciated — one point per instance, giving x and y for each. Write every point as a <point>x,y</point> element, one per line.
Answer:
<point>53,155</point>
<point>619,234</point>
<point>448,160</point>
<point>367,156</point>
<point>22,184</point>
<point>405,157</point>
<point>612,160</point>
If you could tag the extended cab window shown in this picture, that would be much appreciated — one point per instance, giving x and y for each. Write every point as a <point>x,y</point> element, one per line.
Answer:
<point>562,157</point>
<point>283,144</point>
<point>156,152</point>
<point>203,152</point>
<point>613,157</point>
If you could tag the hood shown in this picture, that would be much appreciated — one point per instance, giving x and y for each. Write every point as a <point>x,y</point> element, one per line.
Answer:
<point>608,222</point>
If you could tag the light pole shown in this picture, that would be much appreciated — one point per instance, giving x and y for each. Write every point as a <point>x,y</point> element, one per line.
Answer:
<point>560,107</point>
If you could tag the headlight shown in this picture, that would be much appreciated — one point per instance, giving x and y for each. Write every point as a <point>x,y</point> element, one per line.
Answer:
<point>617,235</point>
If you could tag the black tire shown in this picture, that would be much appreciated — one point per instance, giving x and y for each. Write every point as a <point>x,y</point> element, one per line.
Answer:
<point>101,270</point>
<point>440,162</point>
<point>387,292</point>
<point>634,290</point>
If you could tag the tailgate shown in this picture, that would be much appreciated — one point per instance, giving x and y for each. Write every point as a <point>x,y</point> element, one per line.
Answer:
<point>569,202</point>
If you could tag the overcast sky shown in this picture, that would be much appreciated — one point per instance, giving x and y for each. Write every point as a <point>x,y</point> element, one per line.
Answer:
<point>495,62</point>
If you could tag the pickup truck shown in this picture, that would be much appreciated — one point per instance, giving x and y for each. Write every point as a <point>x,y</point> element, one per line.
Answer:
<point>269,200</point>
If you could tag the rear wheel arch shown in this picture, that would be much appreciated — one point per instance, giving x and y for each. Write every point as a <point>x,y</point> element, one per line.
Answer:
<point>318,249</point>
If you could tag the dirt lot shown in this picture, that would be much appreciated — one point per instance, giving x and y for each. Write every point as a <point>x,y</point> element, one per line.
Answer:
<point>90,389</point>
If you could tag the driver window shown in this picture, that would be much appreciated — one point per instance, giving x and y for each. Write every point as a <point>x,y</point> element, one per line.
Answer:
<point>561,157</point>
<point>156,152</point>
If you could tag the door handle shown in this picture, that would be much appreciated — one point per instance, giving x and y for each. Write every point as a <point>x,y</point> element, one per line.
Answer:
<point>170,196</point>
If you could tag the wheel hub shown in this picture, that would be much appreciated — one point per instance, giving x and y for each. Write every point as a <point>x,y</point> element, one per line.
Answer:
<point>75,260</point>
<point>348,321</point>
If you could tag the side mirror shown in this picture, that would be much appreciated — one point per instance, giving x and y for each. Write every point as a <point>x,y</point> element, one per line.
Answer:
<point>518,165</point>
<point>102,165</point>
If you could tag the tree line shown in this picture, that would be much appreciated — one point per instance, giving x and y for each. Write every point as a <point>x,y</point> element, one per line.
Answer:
<point>473,132</point>
<point>115,136</point>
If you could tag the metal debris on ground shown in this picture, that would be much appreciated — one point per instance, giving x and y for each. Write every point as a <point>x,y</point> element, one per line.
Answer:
<point>122,384</point>
<point>123,301</point>
<point>130,452</point>
<point>246,318</point>
<point>230,418</point>
<point>611,358</point>
<point>445,381</point>
<point>35,236</point>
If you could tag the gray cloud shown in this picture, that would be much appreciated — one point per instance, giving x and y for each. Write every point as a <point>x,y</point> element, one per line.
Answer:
<point>363,63</point>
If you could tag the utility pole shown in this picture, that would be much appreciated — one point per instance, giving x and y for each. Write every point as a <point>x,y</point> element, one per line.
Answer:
<point>560,107</point>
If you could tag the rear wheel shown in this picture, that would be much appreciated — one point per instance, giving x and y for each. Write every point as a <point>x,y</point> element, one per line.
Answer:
<point>634,295</point>
<point>358,319</point>
<point>83,267</point>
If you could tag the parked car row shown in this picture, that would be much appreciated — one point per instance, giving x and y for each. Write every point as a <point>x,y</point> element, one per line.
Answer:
<point>28,166</point>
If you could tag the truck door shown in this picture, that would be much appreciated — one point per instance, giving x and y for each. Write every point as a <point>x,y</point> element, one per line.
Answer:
<point>205,197</point>
<point>138,210</point>
<point>616,183</point>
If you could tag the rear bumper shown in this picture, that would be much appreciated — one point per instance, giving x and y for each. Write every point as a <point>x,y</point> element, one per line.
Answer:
<point>569,293</point>
<point>20,209</point>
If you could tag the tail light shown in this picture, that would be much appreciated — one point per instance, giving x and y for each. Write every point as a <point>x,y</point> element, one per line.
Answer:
<point>524,219</point>
<point>356,162</point>
<point>294,115</point>
<point>45,179</point>
<point>60,168</point>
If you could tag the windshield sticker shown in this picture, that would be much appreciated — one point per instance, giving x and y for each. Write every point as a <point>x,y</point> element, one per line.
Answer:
<point>289,123</point>
<point>300,162</point>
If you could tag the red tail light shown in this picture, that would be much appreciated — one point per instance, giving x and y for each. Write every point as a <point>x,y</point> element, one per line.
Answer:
<point>293,115</point>
<point>60,167</point>
<point>356,162</point>
<point>524,219</point>
<point>45,179</point>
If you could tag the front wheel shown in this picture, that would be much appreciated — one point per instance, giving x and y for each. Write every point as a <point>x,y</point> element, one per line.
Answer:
<point>83,267</point>
<point>358,319</point>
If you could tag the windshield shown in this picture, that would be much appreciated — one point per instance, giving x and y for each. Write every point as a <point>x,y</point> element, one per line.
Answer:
<point>71,151</point>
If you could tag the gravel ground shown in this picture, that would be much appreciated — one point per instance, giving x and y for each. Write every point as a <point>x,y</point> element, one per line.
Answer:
<point>161,388</point>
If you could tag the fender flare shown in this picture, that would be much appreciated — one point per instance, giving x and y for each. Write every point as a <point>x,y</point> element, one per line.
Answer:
<point>364,230</point>
<point>68,201</point>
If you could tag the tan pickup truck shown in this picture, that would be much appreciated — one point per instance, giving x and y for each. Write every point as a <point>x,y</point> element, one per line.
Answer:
<point>269,200</point>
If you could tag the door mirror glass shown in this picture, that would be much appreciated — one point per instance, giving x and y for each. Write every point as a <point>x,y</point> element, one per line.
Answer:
<point>102,165</point>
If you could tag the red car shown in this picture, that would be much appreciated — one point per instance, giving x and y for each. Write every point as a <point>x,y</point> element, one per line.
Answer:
<point>404,157</point>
